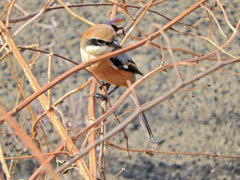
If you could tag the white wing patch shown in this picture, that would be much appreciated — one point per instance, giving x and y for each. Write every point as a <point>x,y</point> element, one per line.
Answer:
<point>125,66</point>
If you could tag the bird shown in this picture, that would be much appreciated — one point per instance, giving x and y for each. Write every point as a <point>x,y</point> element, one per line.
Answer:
<point>101,39</point>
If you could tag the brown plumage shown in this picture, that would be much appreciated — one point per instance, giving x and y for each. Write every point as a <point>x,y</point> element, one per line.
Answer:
<point>116,70</point>
<point>101,39</point>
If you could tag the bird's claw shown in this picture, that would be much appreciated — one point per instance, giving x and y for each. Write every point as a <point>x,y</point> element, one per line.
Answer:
<point>101,97</point>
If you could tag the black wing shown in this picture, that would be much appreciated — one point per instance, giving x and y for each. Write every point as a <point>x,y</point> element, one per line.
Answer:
<point>124,62</point>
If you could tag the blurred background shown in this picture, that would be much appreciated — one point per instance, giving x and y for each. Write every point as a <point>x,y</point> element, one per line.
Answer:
<point>205,120</point>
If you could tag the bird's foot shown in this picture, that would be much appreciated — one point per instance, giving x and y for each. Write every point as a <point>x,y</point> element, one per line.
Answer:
<point>101,97</point>
<point>104,84</point>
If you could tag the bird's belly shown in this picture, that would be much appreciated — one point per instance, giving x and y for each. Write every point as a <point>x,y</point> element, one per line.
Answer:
<point>107,72</point>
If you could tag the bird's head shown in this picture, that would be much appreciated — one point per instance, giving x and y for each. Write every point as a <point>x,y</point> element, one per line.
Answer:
<point>98,40</point>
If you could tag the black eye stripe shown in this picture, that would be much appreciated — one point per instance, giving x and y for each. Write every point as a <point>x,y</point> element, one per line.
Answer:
<point>97,42</point>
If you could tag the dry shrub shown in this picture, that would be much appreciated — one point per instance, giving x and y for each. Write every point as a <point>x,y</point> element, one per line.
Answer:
<point>45,89</point>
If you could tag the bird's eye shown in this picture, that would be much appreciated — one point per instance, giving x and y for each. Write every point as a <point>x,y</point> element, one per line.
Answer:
<point>96,42</point>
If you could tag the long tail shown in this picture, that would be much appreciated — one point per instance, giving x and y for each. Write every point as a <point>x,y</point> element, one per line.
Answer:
<point>144,122</point>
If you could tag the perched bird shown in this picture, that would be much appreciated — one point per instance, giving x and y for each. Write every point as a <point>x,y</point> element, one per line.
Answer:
<point>102,39</point>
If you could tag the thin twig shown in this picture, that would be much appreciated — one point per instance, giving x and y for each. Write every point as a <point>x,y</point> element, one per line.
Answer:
<point>4,165</point>
<point>214,17</point>
<point>225,16</point>
<point>33,18</point>
<point>138,21</point>
<point>171,54</point>
<point>176,153</point>
<point>74,14</point>
<point>9,12</point>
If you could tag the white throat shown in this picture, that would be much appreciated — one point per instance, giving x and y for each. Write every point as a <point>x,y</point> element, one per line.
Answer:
<point>98,50</point>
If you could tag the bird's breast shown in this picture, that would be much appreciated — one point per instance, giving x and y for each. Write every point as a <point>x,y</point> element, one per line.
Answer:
<point>107,72</point>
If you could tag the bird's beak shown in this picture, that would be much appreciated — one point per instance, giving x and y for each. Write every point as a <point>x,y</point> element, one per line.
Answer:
<point>115,44</point>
